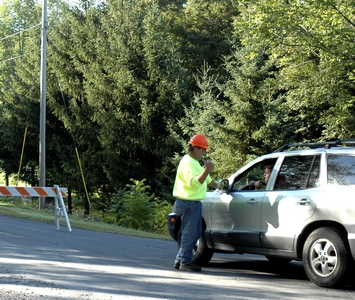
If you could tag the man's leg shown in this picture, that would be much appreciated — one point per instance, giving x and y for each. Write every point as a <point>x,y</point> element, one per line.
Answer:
<point>190,233</point>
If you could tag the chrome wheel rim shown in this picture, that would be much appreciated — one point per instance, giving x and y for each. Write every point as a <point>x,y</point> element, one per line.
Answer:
<point>195,248</point>
<point>323,257</point>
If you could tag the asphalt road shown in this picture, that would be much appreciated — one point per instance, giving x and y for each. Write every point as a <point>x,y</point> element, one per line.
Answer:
<point>39,262</point>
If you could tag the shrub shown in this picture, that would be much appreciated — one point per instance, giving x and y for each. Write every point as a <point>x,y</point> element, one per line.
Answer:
<point>136,208</point>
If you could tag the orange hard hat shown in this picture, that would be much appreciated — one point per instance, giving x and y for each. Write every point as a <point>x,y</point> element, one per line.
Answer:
<point>199,140</point>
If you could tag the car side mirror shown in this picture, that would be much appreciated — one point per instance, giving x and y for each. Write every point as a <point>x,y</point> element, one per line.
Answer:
<point>223,184</point>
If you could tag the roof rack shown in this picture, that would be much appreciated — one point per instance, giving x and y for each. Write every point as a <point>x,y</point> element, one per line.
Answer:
<point>325,145</point>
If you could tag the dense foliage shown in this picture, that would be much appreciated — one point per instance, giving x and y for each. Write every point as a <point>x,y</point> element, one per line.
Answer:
<point>129,81</point>
<point>135,207</point>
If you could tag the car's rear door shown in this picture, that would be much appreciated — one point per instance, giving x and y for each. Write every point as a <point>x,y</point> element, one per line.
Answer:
<point>287,207</point>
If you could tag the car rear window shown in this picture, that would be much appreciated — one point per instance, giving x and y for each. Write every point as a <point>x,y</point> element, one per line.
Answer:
<point>341,169</point>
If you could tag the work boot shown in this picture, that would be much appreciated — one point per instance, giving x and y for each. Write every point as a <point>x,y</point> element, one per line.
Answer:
<point>190,267</point>
<point>177,265</point>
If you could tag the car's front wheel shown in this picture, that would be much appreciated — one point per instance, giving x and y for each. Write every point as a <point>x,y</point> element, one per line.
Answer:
<point>202,254</point>
<point>326,257</point>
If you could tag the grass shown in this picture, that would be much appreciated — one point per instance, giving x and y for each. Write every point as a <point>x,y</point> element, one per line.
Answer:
<point>16,209</point>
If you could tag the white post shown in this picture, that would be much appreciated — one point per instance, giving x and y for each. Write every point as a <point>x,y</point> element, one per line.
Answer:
<point>57,212</point>
<point>42,141</point>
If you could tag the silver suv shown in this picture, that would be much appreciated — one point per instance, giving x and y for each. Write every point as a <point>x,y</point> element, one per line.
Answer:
<point>304,211</point>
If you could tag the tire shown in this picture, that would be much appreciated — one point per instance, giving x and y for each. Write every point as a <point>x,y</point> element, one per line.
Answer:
<point>202,254</point>
<point>326,257</point>
<point>278,260</point>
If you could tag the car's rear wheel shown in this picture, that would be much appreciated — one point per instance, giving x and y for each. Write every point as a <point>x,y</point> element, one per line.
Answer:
<point>326,257</point>
<point>202,254</point>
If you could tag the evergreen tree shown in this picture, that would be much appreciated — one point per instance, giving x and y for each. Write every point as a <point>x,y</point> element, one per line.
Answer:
<point>81,154</point>
<point>124,82</point>
<point>242,116</point>
<point>19,51</point>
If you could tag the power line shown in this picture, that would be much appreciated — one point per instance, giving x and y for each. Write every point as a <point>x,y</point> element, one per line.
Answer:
<point>12,58</point>
<point>6,37</point>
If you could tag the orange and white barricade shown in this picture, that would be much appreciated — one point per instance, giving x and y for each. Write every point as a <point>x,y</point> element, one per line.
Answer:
<point>56,192</point>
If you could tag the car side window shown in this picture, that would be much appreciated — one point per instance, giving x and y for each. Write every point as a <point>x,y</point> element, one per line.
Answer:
<point>299,172</point>
<point>341,169</point>
<point>245,180</point>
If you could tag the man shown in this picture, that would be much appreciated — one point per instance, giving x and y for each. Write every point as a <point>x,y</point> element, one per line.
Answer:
<point>189,189</point>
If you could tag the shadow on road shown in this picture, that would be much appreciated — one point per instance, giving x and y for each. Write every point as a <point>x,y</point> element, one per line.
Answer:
<point>252,268</point>
<point>292,270</point>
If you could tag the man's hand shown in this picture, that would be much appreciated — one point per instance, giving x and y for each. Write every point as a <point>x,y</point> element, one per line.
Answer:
<point>209,165</point>
<point>258,184</point>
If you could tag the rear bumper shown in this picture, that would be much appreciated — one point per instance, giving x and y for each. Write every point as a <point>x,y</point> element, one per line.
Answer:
<point>174,222</point>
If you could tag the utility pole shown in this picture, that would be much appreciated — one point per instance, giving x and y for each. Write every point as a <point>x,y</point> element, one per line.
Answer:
<point>42,123</point>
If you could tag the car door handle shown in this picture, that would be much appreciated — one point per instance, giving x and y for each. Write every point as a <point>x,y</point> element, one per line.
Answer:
<point>304,202</point>
<point>252,201</point>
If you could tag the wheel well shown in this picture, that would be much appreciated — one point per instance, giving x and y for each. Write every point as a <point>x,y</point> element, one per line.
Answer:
<point>178,225</point>
<point>313,226</point>
<point>204,226</point>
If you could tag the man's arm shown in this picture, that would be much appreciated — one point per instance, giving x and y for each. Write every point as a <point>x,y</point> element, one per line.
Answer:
<point>213,184</point>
